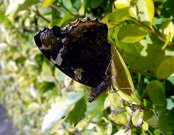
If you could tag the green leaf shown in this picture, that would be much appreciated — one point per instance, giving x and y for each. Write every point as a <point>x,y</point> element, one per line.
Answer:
<point>120,118</point>
<point>95,109</point>
<point>145,126</point>
<point>58,110</point>
<point>121,4</point>
<point>170,118</point>
<point>26,4</point>
<point>78,112</point>
<point>82,8</point>
<point>114,18</point>
<point>145,11</point>
<point>167,30</point>
<point>122,131</point>
<point>20,5</point>
<point>151,118</point>
<point>137,117</point>
<point>67,4</point>
<point>165,68</point>
<point>64,19</point>
<point>115,99</point>
<point>171,79</point>
<point>142,57</point>
<point>155,90</point>
<point>46,3</point>
<point>159,122</point>
<point>96,3</point>
<point>12,6</point>
<point>121,78</point>
<point>2,16</point>
<point>12,66</point>
<point>46,74</point>
<point>168,38</point>
<point>163,125</point>
<point>131,33</point>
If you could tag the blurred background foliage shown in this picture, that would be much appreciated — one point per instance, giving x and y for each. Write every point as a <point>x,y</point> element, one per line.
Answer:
<point>141,30</point>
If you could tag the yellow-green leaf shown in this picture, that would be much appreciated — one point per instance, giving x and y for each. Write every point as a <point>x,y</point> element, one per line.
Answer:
<point>46,3</point>
<point>120,118</point>
<point>137,117</point>
<point>121,4</point>
<point>131,33</point>
<point>58,110</point>
<point>114,18</point>
<point>121,79</point>
<point>145,11</point>
<point>156,93</point>
<point>166,68</point>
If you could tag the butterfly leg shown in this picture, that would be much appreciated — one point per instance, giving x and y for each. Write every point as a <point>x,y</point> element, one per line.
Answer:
<point>102,87</point>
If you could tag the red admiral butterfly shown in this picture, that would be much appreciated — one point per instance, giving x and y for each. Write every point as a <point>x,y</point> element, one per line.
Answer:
<point>81,51</point>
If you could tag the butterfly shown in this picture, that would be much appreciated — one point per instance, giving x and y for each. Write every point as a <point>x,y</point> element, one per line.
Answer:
<point>81,51</point>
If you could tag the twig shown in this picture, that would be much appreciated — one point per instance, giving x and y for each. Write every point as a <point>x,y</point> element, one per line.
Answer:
<point>38,13</point>
<point>58,9</point>
<point>154,33</point>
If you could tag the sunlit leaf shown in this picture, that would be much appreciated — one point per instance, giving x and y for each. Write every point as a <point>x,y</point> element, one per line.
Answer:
<point>60,109</point>
<point>46,3</point>
<point>145,11</point>
<point>46,74</point>
<point>145,126</point>
<point>167,29</point>
<point>78,112</point>
<point>12,66</point>
<point>120,118</point>
<point>67,81</point>
<point>121,3</point>
<point>95,109</point>
<point>121,78</point>
<point>13,6</point>
<point>114,18</point>
<point>167,41</point>
<point>82,10</point>
<point>171,79</point>
<point>115,99</point>
<point>142,57</point>
<point>131,33</point>
<point>32,107</point>
<point>123,132</point>
<point>137,117</point>
<point>67,4</point>
<point>18,5</point>
<point>26,4</point>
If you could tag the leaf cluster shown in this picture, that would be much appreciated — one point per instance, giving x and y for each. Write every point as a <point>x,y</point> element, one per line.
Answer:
<point>141,98</point>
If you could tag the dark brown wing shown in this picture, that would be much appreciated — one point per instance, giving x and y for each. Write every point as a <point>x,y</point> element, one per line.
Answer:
<point>80,50</point>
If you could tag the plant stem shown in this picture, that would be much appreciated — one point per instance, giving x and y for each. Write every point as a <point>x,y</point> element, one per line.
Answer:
<point>38,13</point>
<point>153,33</point>
<point>58,9</point>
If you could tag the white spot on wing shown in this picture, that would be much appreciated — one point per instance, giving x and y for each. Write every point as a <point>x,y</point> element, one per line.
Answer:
<point>63,40</point>
<point>78,73</point>
<point>59,58</point>
<point>53,61</point>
